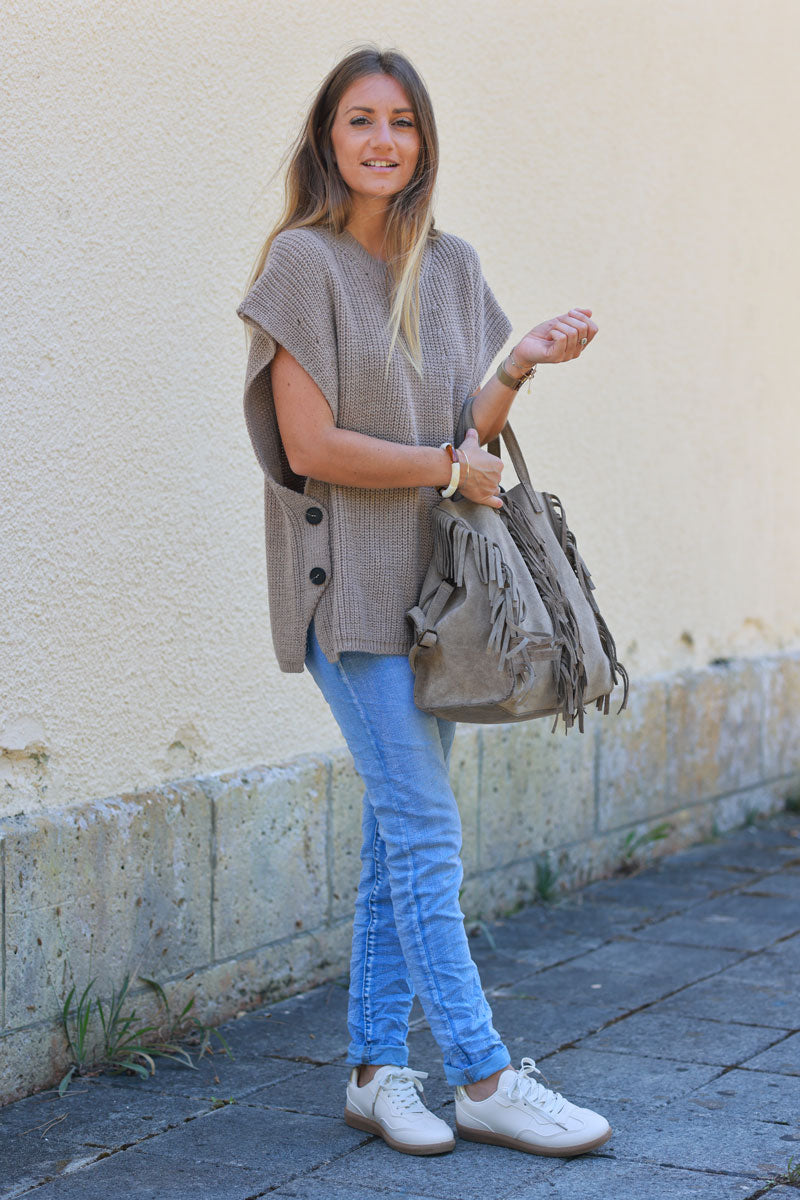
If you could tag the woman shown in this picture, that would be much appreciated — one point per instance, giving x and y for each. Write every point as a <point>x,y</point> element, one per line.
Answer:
<point>372,333</point>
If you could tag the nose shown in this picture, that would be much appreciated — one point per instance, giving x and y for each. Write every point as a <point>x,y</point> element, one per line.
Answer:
<point>382,135</point>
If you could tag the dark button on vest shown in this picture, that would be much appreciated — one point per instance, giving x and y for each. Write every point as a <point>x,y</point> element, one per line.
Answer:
<point>316,575</point>
<point>314,515</point>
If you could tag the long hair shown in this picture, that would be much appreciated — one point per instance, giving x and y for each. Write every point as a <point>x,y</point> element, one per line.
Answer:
<point>316,194</point>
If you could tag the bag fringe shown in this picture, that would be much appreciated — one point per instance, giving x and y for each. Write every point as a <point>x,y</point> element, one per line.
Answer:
<point>571,678</point>
<point>453,539</point>
<point>558,520</point>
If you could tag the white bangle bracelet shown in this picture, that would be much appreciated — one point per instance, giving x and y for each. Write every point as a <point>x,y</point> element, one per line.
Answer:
<point>455,472</point>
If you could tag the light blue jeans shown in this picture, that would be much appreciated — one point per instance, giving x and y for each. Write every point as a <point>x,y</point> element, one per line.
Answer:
<point>408,928</point>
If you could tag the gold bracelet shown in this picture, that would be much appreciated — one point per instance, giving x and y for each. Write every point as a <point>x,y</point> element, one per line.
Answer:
<point>460,451</point>
<point>509,380</point>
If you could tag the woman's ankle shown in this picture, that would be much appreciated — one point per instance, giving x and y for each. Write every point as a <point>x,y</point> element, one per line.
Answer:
<point>481,1089</point>
<point>365,1072</point>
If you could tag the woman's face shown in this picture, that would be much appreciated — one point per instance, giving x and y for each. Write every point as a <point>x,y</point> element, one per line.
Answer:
<point>375,123</point>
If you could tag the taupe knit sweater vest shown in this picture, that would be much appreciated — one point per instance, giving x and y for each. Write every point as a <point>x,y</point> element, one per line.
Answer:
<point>354,558</point>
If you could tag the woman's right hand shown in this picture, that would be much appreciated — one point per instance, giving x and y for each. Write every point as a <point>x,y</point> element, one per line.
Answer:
<point>483,481</point>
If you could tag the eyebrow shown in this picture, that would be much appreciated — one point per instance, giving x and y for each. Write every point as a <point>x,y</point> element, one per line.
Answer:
<point>362,108</point>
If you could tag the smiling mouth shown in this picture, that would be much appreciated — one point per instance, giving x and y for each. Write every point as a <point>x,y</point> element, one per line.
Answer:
<point>378,164</point>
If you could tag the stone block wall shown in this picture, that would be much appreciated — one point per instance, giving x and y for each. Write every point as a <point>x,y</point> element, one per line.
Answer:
<point>238,888</point>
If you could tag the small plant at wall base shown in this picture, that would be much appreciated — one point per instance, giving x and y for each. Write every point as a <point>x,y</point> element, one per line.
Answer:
<point>633,844</point>
<point>127,1046</point>
<point>546,879</point>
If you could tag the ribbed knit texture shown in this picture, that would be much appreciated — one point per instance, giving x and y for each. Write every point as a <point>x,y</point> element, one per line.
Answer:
<point>325,299</point>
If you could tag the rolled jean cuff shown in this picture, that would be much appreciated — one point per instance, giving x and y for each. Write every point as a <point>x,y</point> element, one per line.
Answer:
<point>475,1071</point>
<point>377,1056</point>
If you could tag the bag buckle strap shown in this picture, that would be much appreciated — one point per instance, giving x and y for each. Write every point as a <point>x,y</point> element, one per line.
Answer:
<point>424,622</point>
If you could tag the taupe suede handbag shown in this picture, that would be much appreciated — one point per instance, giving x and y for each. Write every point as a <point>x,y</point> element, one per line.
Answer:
<point>507,628</point>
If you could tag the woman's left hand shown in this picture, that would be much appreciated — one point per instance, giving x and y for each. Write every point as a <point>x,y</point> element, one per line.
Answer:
<point>556,340</point>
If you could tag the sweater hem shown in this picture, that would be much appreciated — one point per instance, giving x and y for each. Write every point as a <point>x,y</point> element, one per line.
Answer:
<point>294,666</point>
<point>373,646</point>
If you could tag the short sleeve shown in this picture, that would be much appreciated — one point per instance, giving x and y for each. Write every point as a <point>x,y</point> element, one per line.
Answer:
<point>291,302</point>
<point>492,326</point>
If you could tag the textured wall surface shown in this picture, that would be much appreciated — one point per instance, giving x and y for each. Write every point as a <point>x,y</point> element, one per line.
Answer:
<point>237,888</point>
<point>630,157</point>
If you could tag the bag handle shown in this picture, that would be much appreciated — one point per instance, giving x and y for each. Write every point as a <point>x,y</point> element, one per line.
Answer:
<point>515,454</point>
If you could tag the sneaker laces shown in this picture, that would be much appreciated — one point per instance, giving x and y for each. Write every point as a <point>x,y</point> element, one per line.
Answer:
<point>526,1088</point>
<point>403,1085</point>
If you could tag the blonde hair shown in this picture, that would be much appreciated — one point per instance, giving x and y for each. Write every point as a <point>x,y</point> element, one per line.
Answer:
<point>316,194</point>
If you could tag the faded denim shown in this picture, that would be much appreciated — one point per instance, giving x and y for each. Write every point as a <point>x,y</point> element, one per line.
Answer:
<point>408,928</point>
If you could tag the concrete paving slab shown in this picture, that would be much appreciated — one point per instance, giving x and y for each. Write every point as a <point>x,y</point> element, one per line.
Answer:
<point>740,847</point>
<point>130,1173</point>
<point>767,970</point>
<point>789,951</point>
<point>606,1178</point>
<point>682,1134</point>
<point>695,871</point>
<point>664,888</point>
<point>611,990</point>
<point>279,1145</point>
<point>757,1095</point>
<point>310,1026</point>
<point>539,945</point>
<point>783,1057</point>
<point>726,999</point>
<point>320,1091</point>
<point>658,1034</point>
<point>470,1170</point>
<point>311,1188</point>
<point>217,1076</point>
<point>496,969</point>
<point>678,965</point>
<point>604,918</point>
<point>785,883</point>
<point>45,1134</point>
<point>564,948</point>
<point>752,856</point>
<point>601,1075</point>
<point>780,961</point>
<point>535,1027</point>
<point>737,921</point>
<point>749,905</point>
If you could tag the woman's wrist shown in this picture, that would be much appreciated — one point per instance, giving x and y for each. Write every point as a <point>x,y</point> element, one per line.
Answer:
<point>444,468</point>
<point>454,460</point>
<point>516,365</point>
<point>518,372</point>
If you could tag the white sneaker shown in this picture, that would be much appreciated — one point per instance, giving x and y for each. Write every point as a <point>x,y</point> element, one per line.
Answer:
<point>525,1115</point>
<point>390,1106</point>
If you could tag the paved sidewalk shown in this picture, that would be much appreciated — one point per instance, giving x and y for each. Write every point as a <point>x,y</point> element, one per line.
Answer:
<point>668,1000</point>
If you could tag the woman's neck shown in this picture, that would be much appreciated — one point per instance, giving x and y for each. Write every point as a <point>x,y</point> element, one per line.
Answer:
<point>368,226</point>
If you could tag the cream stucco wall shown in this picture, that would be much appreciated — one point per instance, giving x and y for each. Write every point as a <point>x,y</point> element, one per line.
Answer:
<point>635,157</point>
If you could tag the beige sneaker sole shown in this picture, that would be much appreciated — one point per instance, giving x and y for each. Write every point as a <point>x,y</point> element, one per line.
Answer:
<point>364,1123</point>
<point>502,1139</point>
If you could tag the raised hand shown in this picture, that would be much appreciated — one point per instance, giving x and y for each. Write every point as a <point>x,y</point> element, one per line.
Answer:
<point>557,340</point>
